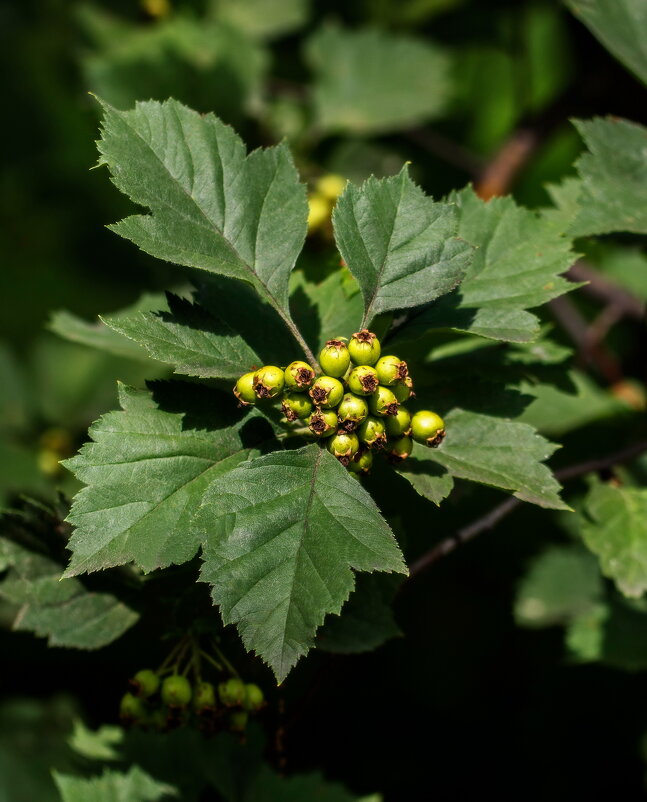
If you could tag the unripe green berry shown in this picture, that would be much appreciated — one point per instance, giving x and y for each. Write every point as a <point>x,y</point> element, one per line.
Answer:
<point>326,392</point>
<point>268,381</point>
<point>334,358</point>
<point>157,720</point>
<point>427,427</point>
<point>351,412</point>
<point>204,696</point>
<point>323,422</point>
<point>238,720</point>
<point>403,390</point>
<point>296,406</point>
<point>398,424</point>
<point>254,698</point>
<point>298,376</point>
<point>244,390</point>
<point>361,463</point>
<point>391,370</point>
<point>232,692</point>
<point>399,449</point>
<point>131,708</point>
<point>344,445</point>
<point>363,380</point>
<point>176,691</point>
<point>364,348</point>
<point>383,402</point>
<point>145,683</point>
<point>372,432</point>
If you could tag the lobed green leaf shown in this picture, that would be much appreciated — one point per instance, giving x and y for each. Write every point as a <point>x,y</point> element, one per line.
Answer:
<point>399,244</point>
<point>281,535</point>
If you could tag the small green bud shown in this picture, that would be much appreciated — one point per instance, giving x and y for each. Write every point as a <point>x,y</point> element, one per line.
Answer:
<point>296,406</point>
<point>131,708</point>
<point>145,683</point>
<point>344,445</point>
<point>351,412</point>
<point>334,358</point>
<point>398,424</point>
<point>427,427</point>
<point>364,348</point>
<point>232,692</point>
<point>383,402</point>
<point>363,380</point>
<point>268,382</point>
<point>399,449</point>
<point>326,392</point>
<point>361,463</point>
<point>204,696</point>
<point>298,376</point>
<point>176,691</point>
<point>323,422</point>
<point>372,432</point>
<point>403,390</point>
<point>391,370</point>
<point>238,720</point>
<point>254,698</point>
<point>244,390</point>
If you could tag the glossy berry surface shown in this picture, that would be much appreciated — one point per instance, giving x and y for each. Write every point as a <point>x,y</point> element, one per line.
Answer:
<point>244,389</point>
<point>427,427</point>
<point>298,376</point>
<point>145,683</point>
<point>363,380</point>
<point>398,424</point>
<point>391,370</point>
<point>254,698</point>
<point>296,406</point>
<point>351,411</point>
<point>204,696</point>
<point>344,446</point>
<point>400,449</point>
<point>361,463</point>
<point>334,358</point>
<point>176,691</point>
<point>372,432</point>
<point>232,692</point>
<point>326,392</point>
<point>383,402</point>
<point>323,422</point>
<point>269,382</point>
<point>364,348</point>
<point>403,390</point>
<point>132,708</point>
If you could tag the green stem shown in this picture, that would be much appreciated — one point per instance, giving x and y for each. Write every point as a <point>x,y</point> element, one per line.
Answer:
<point>165,663</point>
<point>211,660</point>
<point>226,662</point>
<point>302,431</point>
<point>311,358</point>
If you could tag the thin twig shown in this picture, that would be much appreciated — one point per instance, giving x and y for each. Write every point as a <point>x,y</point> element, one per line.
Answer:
<point>499,175</point>
<point>600,287</point>
<point>496,514</point>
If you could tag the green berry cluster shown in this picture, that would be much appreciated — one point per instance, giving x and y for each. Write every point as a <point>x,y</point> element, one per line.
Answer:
<point>356,405</point>
<point>178,694</point>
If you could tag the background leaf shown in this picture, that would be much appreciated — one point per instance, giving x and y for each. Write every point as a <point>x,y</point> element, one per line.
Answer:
<point>113,786</point>
<point>280,537</point>
<point>369,81</point>
<point>620,25</point>
<point>613,193</point>
<point>614,527</point>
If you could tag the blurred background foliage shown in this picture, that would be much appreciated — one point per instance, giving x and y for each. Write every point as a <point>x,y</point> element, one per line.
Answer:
<point>520,662</point>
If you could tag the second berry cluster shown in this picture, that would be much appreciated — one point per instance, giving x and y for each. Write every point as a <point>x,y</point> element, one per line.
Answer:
<point>356,405</point>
